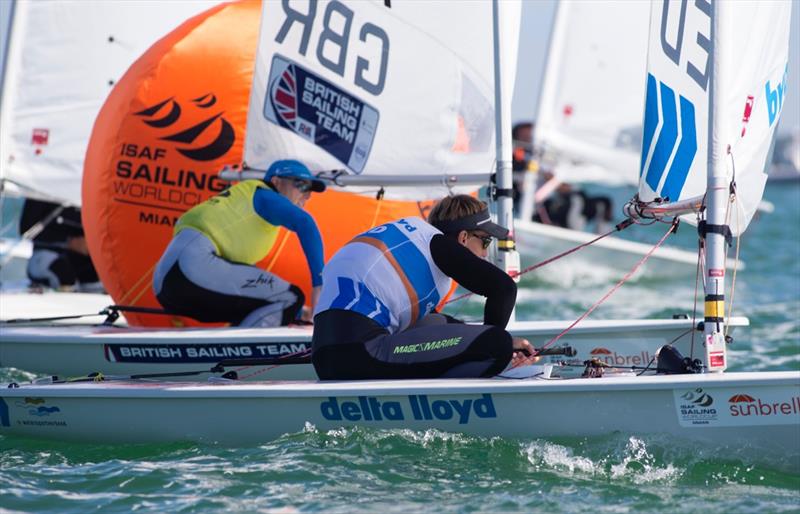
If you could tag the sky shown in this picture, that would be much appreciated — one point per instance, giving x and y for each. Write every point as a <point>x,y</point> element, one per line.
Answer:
<point>537,19</point>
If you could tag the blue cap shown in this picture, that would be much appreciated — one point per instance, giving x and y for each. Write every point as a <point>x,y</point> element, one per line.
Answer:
<point>290,168</point>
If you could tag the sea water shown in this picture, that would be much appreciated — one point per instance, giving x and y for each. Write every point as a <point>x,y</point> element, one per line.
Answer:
<point>365,470</point>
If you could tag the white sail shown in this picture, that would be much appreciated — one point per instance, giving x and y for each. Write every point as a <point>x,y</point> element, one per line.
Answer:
<point>375,88</point>
<point>63,59</point>
<point>589,117</point>
<point>752,48</point>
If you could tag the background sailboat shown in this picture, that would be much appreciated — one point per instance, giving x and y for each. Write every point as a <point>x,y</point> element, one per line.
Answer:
<point>588,126</point>
<point>61,60</point>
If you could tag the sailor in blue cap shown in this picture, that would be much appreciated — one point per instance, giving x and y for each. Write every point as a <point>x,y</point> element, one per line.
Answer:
<point>208,270</point>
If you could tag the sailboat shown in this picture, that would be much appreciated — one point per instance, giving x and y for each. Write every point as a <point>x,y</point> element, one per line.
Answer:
<point>755,416</point>
<point>593,134</point>
<point>62,59</point>
<point>448,134</point>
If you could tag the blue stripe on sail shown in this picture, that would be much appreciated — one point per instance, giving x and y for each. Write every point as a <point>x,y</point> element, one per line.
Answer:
<point>650,119</point>
<point>666,138</point>
<point>411,261</point>
<point>685,154</point>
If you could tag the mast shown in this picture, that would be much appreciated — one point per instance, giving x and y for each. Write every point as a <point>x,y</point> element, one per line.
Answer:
<point>717,196</point>
<point>10,58</point>
<point>507,257</point>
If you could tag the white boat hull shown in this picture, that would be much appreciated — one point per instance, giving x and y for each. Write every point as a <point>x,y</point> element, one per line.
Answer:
<point>22,303</point>
<point>77,350</point>
<point>755,416</point>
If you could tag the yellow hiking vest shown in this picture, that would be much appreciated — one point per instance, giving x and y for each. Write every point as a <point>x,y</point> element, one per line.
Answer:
<point>232,224</point>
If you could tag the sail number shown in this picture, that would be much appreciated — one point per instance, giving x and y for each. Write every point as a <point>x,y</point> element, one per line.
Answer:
<point>334,41</point>
<point>673,46</point>
<point>775,96</point>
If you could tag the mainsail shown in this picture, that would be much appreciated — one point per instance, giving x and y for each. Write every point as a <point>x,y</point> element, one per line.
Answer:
<point>589,116</point>
<point>63,58</point>
<point>376,89</point>
<point>716,82</point>
<point>680,146</point>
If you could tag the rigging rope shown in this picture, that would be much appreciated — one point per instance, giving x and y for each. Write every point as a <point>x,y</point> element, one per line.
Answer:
<point>619,227</point>
<point>617,286</point>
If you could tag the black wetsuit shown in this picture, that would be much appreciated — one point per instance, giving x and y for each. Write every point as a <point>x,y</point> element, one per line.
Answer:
<point>350,346</point>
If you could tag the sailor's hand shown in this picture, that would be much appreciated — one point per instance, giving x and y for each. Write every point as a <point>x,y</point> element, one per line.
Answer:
<point>523,353</point>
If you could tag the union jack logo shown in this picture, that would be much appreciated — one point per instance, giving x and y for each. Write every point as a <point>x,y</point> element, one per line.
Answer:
<point>284,97</point>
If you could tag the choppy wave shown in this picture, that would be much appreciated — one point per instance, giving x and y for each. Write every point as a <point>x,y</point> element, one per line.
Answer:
<point>364,470</point>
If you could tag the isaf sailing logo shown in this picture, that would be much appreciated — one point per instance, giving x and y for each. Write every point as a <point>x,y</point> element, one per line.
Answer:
<point>167,113</point>
<point>697,407</point>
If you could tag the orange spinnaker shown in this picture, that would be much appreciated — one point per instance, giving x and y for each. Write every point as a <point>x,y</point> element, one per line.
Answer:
<point>170,124</point>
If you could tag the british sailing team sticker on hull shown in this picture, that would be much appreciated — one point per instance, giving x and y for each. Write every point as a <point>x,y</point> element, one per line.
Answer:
<point>320,112</point>
<point>285,353</point>
<point>725,407</point>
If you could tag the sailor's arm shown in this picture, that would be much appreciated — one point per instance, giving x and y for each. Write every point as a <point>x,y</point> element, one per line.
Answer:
<point>477,275</point>
<point>278,210</point>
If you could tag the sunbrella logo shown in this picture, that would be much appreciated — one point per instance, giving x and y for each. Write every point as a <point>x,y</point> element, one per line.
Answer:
<point>746,405</point>
<point>166,113</point>
<point>620,359</point>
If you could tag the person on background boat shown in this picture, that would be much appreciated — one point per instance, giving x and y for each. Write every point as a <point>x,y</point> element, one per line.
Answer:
<point>567,206</point>
<point>60,258</point>
<point>570,207</point>
<point>208,270</point>
<point>375,314</point>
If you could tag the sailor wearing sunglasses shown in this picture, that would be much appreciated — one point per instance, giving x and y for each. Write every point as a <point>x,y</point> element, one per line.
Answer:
<point>208,270</point>
<point>375,317</point>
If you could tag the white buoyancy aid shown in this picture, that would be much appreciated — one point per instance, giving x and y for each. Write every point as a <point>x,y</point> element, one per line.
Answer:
<point>386,274</point>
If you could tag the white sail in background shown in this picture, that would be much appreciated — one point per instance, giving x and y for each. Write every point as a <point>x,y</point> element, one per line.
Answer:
<point>590,110</point>
<point>376,89</point>
<point>753,45</point>
<point>63,59</point>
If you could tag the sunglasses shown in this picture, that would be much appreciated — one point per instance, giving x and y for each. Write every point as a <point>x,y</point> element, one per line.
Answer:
<point>304,186</point>
<point>486,241</point>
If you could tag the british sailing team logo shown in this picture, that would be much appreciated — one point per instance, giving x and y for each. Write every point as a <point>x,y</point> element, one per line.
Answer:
<point>284,100</point>
<point>167,113</point>
<point>675,145</point>
<point>320,112</point>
